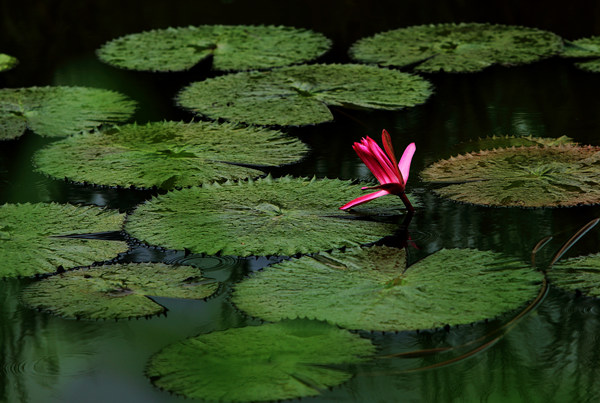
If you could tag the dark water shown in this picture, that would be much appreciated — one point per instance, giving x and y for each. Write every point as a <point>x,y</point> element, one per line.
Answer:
<point>551,355</point>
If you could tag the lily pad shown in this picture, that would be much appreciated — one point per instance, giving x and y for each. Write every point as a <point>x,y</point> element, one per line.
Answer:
<point>7,62</point>
<point>369,288</point>
<point>265,217</point>
<point>464,47</point>
<point>116,291</point>
<point>59,111</point>
<point>167,154</point>
<point>276,361</point>
<point>233,47</point>
<point>300,95</point>
<point>492,142</point>
<point>38,238</point>
<point>564,175</point>
<point>578,274</point>
<point>585,48</point>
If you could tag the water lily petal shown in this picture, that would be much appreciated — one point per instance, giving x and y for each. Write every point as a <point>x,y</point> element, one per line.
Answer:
<point>389,149</point>
<point>405,161</point>
<point>364,199</point>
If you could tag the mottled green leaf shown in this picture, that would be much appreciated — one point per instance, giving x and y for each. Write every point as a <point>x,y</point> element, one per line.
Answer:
<point>59,111</point>
<point>490,143</point>
<point>265,217</point>
<point>464,47</point>
<point>276,361</point>
<point>116,291</point>
<point>565,175</point>
<point>7,62</point>
<point>167,154</point>
<point>578,274</point>
<point>300,95</point>
<point>33,237</point>
<point>233,47</point>
<point>369,288</point>
<point>585,48</point>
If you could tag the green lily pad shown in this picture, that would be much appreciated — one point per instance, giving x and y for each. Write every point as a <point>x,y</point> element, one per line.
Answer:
<point>265,217</point>
<point>464,47</point>
<point>233,47</point>
<point>167,154</point>
<point>59,111</point>
<point>7,62</point>
<point>492,142</point>
<point>565,175</point>
<point>585,48</point>
<point>300,95</point>
<point>578,274</point>
<point>276,361</point>
<point>368,288</point>
<point>38,238</point>
<point>116,291</point>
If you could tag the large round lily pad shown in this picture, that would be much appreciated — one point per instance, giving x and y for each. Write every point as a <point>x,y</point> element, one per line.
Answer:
<point>565,175</point>
<point>233,47</point>
<point>116,291</point>
<point>368,288</point>
<point>38,238</point>
<point>167,154</point>
<point>270,362</point>
<point>464,47</point>
<point>300,95</point>
<point>7,62</point>
<point>578,274</point>
<point>59,111</point>
<point>585,48</point>
<point>265,217</point>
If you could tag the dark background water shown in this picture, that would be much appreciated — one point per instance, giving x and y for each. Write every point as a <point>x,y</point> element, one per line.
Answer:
<point>551,355</point>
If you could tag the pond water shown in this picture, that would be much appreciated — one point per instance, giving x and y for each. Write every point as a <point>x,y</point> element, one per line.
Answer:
<point>551,354</point>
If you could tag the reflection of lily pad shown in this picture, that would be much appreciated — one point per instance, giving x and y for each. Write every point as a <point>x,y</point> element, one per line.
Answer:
<point>580,273</point>
<point>240,47</point>
<point>33,237</point>
<point>565,175</point>
<point>264,217</point>
<point>270,362</point>
<point>167,154</point>
<point>7,62</point>
<point>585,48</point>
<point>299,95</point>
<point>465,47</point>
<point>367,288</point>
<point>59,111</point>
<point>116,291</point>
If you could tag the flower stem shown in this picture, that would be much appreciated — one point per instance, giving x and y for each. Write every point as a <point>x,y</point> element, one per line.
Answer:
<point>406,202</point>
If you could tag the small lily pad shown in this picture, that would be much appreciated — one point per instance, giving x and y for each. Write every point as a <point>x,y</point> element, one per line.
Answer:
<point>369,288</point>
<point>167,154</point>
<point>7,62</point>
<point>578,274</point>
<point>464,47</point>
<point>585,48</point>
<point>233,47</point>
<point>564,175</point>
<point>265,217</point>
<point>116,291</point>
<point>276,361</point>
<point>59,111</point>
<point>300,95</point>
<point>38,238</point>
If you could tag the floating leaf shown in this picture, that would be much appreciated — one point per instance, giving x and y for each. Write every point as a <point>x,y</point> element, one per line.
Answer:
<point>233,47</point>
<point>59,111</point>
<point>264,217</point>
<point>578,274</point>
<point>588,48</point>
<point>490,143</point>
<point>116,291</point>
<point>299,95</point>
<point>465,47</point>
<point>368,288</point>
<point>38,238</point>
<point>7,62</point>
<point>167,154</point>
<point>565,175</point>
<point>275,361</point>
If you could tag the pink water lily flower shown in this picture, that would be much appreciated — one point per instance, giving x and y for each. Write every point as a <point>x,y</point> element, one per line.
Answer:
<point>391,175</point>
